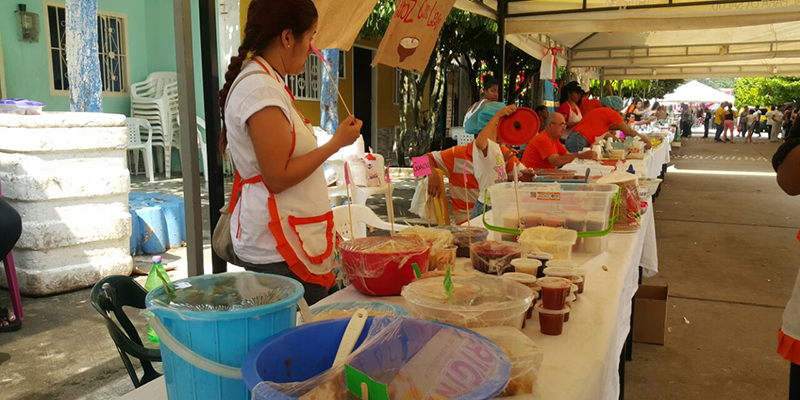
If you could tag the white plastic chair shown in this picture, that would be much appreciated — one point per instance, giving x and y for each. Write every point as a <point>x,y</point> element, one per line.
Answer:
<point>363,216</point>
<point>135,145</point>
<point>156,100</point>
<point>359,194</point>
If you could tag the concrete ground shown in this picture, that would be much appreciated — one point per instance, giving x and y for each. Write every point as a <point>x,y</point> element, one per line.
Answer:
<point>727,248</point>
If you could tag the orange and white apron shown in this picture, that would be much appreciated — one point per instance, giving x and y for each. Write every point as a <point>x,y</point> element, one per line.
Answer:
<point>301,219</point>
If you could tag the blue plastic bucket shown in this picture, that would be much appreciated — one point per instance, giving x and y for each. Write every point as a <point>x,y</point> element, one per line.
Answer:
<point>222,337</point>
<point>302,353</point>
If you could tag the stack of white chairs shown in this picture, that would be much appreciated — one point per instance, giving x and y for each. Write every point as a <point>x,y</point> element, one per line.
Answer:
<point>156,100</point>
<point>136,145</point>
<point>227,164</point>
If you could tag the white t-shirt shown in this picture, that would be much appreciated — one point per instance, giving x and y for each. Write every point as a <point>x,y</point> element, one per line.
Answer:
<point>489,169</point>
<point>751,119</point>
<point>255,243</point>
<point>774,116</point>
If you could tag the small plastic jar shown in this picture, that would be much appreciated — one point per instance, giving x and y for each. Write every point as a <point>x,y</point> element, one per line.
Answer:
<point>570,299</point>
<point>544,258</point>
<point>551,322</point>
<point>526,265</point>
<point>554,292</point>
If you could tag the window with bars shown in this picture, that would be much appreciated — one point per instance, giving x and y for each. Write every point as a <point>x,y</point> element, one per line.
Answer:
<point>306,86</point>
<point>112,49</point>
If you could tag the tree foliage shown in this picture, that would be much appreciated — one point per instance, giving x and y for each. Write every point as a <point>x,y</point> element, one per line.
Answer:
<point>766,91</point>
<point>466,40</point>
<point>643,89</point>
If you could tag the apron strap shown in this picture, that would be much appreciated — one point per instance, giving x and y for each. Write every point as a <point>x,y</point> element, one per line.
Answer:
<point>238,184</point>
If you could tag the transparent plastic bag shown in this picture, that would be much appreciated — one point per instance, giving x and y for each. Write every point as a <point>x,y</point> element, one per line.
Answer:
<point>631,209</point>
<point>556,241</point>
<point>439,239</point>
<point>493,257</point>
<point>369,257</point>
<point>346,309</point>
<point>479,300</point>
<point>464,236</point>
<point>526,358</point>
<point>223,292</point>
<point>416,359</point>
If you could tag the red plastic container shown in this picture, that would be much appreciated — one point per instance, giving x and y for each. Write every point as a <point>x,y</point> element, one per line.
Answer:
<point>381,266</point>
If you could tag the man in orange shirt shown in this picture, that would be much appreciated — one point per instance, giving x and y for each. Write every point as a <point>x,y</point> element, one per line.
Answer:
<point>545,150</point>
<point>598,122</point>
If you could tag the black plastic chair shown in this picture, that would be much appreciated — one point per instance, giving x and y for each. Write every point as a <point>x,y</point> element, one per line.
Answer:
<point>109,296</point>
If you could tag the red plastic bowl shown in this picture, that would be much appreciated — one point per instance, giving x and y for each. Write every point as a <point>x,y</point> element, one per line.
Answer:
<point>383,273</point>
<point>518,128</point>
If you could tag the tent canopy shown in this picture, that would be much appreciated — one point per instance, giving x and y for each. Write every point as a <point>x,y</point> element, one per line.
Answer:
<point>657,39</point>
<point>696,92</point>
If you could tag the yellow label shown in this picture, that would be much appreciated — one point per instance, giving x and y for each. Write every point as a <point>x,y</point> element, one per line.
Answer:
<point>547,196</point>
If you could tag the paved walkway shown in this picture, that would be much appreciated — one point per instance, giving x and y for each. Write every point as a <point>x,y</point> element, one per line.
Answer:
<point>728,250</point>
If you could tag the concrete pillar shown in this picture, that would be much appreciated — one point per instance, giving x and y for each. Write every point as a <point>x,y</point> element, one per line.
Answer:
<point>85,87</point>
<point>65,173</point>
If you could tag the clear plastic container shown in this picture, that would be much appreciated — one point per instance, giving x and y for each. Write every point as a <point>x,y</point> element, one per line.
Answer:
<point>551,322</point>
<point>551,204</point>
<point>439,239</point>
<point>524,279</point>
<point>463,236</point>
<point>543,257</point>
<point>526,265</point>
<point>556,241</point>
<point>346,309</point>
<point>554,292</point>
<point>493,257</point>
<point>572,297</point>
<point>477,301</point>
<point>526,358</point>
<point>21,107</point>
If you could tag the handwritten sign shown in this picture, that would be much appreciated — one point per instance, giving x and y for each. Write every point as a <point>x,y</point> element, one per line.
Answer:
<point>412,33</point>
<point>422,166</point>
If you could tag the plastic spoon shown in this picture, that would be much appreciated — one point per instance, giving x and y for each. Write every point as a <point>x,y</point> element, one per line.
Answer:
<point>351,334</point>
<point>305,311</point>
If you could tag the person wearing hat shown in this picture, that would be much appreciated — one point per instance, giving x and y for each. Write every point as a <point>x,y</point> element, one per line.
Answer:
<point>570,106</point>
<point>598,122</point>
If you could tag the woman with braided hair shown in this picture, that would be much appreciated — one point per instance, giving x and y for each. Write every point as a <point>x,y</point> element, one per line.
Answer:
<point>281,218</point>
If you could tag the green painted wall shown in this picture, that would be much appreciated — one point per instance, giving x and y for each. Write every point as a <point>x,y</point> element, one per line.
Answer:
<point>151,48</point>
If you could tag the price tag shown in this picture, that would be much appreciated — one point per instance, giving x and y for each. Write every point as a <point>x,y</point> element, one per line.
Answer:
<point>422,166</point>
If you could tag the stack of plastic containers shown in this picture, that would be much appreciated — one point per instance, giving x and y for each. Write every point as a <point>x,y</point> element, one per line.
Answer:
<point>581,207</point>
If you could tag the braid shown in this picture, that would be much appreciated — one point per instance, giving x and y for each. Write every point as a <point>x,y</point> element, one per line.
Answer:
<point>234,68</point>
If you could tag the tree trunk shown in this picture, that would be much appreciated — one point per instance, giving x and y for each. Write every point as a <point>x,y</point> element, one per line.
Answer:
<point>329,99</point>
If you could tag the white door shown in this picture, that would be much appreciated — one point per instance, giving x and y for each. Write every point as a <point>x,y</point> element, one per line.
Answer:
<point>229,34</point>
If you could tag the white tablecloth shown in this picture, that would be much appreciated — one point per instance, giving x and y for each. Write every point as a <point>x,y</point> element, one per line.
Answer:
<point>584,360</point>
<point>649,165</point>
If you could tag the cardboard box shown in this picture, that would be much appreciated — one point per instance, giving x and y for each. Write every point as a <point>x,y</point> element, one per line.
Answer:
<point>650,314</point>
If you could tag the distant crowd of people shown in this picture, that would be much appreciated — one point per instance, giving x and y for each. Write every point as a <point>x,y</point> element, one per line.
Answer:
<point>730,122</point>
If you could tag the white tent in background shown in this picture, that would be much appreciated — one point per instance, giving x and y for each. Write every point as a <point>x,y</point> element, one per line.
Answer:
<point>696,92</point>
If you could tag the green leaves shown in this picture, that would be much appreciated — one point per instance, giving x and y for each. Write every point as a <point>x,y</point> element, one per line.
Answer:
<point>770,91</point>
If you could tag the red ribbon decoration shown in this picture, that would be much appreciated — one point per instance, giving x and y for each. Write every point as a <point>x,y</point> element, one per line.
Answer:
<point>553,50</point>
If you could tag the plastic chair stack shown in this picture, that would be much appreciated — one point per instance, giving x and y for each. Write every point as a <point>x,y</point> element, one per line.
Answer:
<point>136,146</point>
<point>156,100</point>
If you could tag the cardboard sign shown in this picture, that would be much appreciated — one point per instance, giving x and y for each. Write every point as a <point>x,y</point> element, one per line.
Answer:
<point>412,33</point>
<point>340,21</point>
<point>422,166</point>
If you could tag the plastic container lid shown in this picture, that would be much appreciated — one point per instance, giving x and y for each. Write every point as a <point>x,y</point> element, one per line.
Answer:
<point>577,279</point>
<point>519,128</point>
<point>526,263</point>
<point>540,308</point>
<point>555,283</point>
<point>524,279</point>
<point>156,258</point>
<point>572,297</point>
<point>228,295</point>
<point>560,272</point>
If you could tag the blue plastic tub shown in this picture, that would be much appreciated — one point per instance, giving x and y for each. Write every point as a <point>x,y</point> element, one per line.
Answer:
<point>224,337</point>
<point>302,353</point>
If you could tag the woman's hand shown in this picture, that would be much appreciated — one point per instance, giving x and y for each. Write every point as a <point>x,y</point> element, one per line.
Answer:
<point>510,153</point>
<point>347,132</point>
